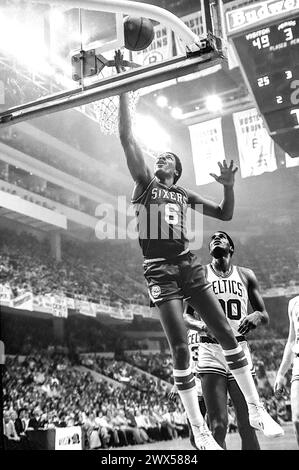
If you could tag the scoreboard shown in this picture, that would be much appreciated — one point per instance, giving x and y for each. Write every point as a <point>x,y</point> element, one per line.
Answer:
<point>271,66</point>
<point>267,47</point>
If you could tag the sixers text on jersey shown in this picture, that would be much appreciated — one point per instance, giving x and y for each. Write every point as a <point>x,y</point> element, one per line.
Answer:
<point>161,216</point>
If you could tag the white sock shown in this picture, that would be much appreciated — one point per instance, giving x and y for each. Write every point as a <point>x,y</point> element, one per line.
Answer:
<point>240,369</point>
<point>184,380</point>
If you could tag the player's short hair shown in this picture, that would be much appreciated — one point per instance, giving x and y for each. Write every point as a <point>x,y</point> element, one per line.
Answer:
<point>178,167</point>
<point>231,243</point>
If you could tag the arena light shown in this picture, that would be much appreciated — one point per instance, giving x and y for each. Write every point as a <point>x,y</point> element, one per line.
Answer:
<point>150,134</point>
<point>213,103</point>
<point>57,17</point>
<point>176,113</point>
<point>24,42</point>
<point>78,37</point>
<point>162,101</point>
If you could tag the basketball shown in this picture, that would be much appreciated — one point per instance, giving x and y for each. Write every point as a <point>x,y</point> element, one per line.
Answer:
<point>139,33</point>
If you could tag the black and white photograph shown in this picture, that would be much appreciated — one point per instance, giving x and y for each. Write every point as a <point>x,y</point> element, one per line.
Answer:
<point>149,228</point>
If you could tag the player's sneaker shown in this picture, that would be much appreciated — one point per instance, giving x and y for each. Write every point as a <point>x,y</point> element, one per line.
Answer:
<point>261,420</point>
<point>203,439</point>
<point>191,437</point>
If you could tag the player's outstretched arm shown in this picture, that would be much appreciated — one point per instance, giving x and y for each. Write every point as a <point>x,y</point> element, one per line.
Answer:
<point>287,357</point>
<point>259,315</point>
<point>134,154</point>
<point>224,210</point>
<point>135,158</point>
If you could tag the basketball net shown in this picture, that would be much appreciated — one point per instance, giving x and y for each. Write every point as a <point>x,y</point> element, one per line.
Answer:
<point>107,109</point>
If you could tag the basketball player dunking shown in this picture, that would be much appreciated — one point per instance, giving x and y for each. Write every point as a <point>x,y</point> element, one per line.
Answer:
<point>173,273</point>
<point>233,286</point>
<point>291,356</point>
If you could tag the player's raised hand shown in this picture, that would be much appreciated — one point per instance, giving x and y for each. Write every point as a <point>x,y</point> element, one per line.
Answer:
<point>227,174</point>
<point>118,59</point>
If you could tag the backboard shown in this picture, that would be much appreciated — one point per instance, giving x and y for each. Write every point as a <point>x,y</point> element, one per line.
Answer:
<point>37,43</point>
<point>38,39</point>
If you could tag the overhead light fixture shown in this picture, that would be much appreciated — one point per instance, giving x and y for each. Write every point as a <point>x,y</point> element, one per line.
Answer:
<point>162,101</point>
<point>213,103</point>
<point>150,134</point>
<point>57,17</point>
<point>176,113</point>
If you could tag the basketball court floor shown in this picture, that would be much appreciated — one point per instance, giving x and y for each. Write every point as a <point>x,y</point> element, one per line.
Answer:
<point>286,442</point>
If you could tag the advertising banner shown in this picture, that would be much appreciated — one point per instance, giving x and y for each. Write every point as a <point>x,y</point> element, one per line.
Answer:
<point>68,438</point>
<point>256,148</point>
<point>207,149</point>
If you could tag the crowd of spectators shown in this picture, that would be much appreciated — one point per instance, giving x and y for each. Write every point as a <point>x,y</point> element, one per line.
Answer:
<point>126,373</point>
<point>266,354</point>
<point>112,270</point>
<point>106,269</point>
<point>82,334</point>
<point>91,270</point>
<point>47,390</point>
<point>158,364</point>
<point>41,187</point>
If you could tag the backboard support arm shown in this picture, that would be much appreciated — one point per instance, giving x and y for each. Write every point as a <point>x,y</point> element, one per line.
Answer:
<point>122,83</point>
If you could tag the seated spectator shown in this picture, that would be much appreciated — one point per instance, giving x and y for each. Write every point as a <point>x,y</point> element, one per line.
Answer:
<point>129,426</point>
<point>103,428</point>
<point>119,424</point>
<point>35,420</point>
<point>156,414</point>
<point>92,430</point>
<point>12,439</point>
<point>141,424</point>
<point>152,425</point>
<point>20,423</point>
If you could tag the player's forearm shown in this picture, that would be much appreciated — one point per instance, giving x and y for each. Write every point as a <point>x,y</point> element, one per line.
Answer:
<point>199,328</point>
<point>286,360</point>
<point>124,119</point>
<point>227,205</point>
<point>193,324</point>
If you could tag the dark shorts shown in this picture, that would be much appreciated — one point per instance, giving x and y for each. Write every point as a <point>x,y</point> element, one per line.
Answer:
<point>174,279</point>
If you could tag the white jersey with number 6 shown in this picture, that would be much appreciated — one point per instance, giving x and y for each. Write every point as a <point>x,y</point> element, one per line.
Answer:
<point>231,291</point>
